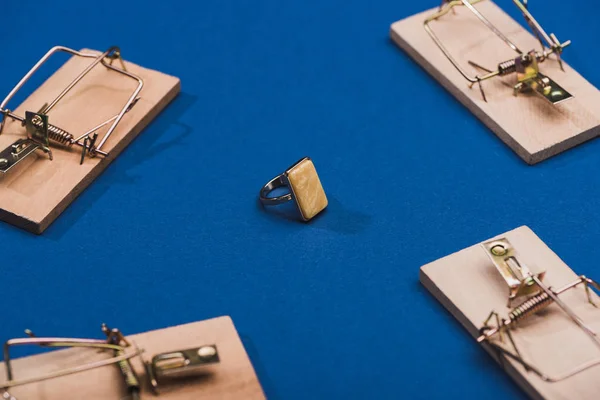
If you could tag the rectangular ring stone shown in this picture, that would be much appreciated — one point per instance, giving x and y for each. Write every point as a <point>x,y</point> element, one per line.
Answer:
<point>306,188</point>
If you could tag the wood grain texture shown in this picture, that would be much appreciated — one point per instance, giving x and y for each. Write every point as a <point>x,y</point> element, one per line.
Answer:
<point>37,191</point>
<point>531,126</point>
<point>469,286</point>
<point>233,377</point>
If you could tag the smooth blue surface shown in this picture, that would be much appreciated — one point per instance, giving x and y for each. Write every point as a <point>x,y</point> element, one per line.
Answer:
<point>172,233</point>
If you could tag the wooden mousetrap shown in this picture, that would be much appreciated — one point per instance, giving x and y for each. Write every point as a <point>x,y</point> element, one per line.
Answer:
<point>513,81</point>
<point>201,360</point>
<point>70,128</point>
<point>528,309</point>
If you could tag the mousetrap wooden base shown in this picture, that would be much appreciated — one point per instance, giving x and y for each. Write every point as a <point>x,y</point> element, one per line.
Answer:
<point>38,190</point>
<point>469,286</point>
<point>528,124</point>
<point>233,377</point>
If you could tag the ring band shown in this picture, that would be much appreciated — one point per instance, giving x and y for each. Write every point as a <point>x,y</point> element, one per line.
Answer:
<point>305,189</point>
<point>275,183</point>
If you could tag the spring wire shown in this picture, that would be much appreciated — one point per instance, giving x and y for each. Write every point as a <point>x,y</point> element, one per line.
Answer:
<point>507,67</point>
<point>530,307</point>
<point>55,133</point>
<point>131,379</point>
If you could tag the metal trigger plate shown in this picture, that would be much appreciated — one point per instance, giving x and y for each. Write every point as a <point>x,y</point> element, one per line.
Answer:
<point>550,90</point>
<point>16,153</point>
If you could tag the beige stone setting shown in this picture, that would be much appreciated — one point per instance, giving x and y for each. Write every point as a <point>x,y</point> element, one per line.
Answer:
<point>306,188</point>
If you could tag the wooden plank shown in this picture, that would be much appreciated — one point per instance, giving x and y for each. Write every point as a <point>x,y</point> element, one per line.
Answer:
<point>469,286</point>
<point>37,191</point>
<point>531,126</point>
<point>232,378</point>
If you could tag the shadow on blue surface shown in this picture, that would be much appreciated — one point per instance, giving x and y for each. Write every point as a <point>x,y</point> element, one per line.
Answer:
<point>145,147</point>
<point>481,361</point>
<point>259,368</point>
<point>334,218</point>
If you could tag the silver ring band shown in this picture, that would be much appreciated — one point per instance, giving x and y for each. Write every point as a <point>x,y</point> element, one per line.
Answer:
<point>277,182</point>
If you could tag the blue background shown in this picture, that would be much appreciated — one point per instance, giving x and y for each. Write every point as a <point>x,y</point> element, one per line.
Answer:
<point>172,233</point>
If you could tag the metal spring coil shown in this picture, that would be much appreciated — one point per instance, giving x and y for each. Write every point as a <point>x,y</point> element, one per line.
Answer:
<point>55,133</point>
<point>131,379</point>
<point>507,67</point>
<point>530,307</point>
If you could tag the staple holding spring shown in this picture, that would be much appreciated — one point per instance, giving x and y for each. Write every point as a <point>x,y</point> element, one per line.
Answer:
<point>530,307</point>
